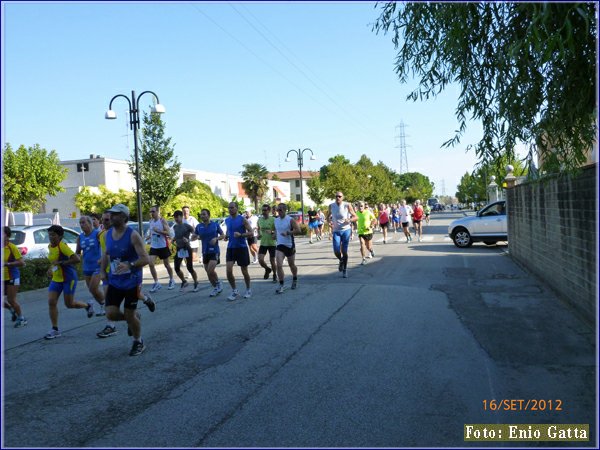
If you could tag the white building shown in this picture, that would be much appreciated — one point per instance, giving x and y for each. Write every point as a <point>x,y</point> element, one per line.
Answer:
<point>292,177</point>
<point>114,174</point>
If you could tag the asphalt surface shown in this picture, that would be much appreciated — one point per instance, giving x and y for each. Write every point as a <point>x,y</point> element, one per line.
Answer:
<point>403,353</point>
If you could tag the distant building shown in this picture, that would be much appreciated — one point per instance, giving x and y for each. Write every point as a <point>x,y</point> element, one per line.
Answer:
<point>292,177</point>
<point>114,174</point>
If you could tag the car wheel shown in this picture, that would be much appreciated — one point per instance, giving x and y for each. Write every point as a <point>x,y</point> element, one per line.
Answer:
<point>490,242</point>
<point>462,238</point>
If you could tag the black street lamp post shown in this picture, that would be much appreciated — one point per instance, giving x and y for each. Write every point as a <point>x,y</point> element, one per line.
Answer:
<point>300,154</point>
<point>134,124</point>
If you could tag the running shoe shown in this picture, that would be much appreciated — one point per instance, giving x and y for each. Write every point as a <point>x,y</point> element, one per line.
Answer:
<point>345,274</point>
<point>274,278</point>
<point>149,303</point>
<point>102,311</point>
<point>171,284</point>
<point>248,293</point>
<point>294,284</point>
<point>20,322</point>
<point>90,310</point>
<point>195,287</point>
<point>137,348</point>
<point>13,314</point>
<point>53,334</point>
<point>184,284</point>
<point>215,292</point>
<point>156,286</point>
<point>364,261</point>
<point>280,289</point>
<point>233,296</point>
<point>219,287</point>
<point>107,332</point>
<point>267,273</point>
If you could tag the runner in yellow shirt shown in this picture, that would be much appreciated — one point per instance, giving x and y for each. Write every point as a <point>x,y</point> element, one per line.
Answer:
<point>11,278</point>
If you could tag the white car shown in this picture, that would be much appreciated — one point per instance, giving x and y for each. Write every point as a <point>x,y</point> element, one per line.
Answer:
<point>32,241</point>
<point>488,226</point>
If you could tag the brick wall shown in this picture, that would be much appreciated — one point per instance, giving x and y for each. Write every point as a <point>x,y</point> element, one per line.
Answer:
<point>553,232</point>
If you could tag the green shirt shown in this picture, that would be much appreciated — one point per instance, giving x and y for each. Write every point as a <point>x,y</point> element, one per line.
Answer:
<point>364,221</point>
<point>265,226</point>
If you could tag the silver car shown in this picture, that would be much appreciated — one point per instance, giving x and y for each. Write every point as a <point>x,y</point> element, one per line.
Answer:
<point>488,226</point>
<point>32,241</point>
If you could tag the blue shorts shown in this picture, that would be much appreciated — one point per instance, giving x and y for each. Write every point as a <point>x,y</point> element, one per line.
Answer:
<point>91,273</point>
<point>313,225</point>
<point>67,287</point>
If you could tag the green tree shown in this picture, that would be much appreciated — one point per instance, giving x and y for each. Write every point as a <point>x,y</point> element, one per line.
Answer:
<point>29,175</point>
<point>527,71</point>
<point>340,175</point>
<point>197,196</point>
<point>415,186</point>
<point>255,182</point>
<point>159,168</point>
<point>89,201</point>
<point>316,192</point>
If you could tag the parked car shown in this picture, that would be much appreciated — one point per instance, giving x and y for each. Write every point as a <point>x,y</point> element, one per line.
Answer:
<point>488,226</point>
<point>32,241</point>
<point>220,221</point>
<point>135,226</point>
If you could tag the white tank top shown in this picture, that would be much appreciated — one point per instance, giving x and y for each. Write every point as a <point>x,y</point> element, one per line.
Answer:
<point>281,226</point>
<point>339,214</point>
<point>156,240</point>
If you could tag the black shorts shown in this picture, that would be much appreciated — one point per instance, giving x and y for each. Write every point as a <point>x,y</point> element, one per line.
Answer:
<point>405,224</point>
<point>162,253</point>
<point>239,255</point>
<point>206,257</point>
<point>366,237</point>
<point>415,221</point>
<point>251,240</point>
<point>114,296</point>
<point>287,251</point>
<point>384,225</point>
<point>263,249</point>
<point>13,282</point>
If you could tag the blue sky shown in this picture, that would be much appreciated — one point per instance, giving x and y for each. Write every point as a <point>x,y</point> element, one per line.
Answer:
<point>241,83</point>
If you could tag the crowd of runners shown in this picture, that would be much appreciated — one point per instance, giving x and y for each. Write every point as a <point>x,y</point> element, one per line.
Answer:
<point>113,255</point>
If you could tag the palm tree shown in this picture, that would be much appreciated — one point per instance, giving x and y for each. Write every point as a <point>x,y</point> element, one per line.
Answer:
<point>255,182</point>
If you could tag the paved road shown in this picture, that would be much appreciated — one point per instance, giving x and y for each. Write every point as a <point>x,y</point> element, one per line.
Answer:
<point>403,353</point>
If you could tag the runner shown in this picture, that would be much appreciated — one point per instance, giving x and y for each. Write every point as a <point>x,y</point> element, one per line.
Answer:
<point>321,223</point>
<point>11,279</point>
<point>405,214</point>
<point>286,228</point>
<point>184,251</point>
<point>210,233</point>
<point>427,210</point>
<point>159,232</point>
<point>64,279</point>
<point>125,256</point>
<point>88,246</point>
<point>313,225</point>
<point>340,215</point>
<point>238,229</point>
<point>384,220</point>
<point>417,218</point>
<point>266,234</point>
<point>365,223</point>
<point>191,220</point>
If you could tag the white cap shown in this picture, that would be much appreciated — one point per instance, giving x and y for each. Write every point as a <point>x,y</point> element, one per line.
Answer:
<point>120,208</point>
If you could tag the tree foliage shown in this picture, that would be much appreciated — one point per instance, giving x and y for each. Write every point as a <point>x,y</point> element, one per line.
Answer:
<point>316,192</point>
<point>29,175</point>
<point>527,71</point>
<point>197,196</point>
<point>255,182</point>
<point>415,186</point>
<point>159,168</point>
<point>89,201</point>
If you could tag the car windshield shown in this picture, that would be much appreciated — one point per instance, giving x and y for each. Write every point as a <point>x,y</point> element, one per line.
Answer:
<point>17,237</point>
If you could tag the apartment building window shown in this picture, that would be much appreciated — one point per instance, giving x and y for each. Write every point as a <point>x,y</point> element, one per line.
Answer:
<point>297,197</point>
<point>297,183</point>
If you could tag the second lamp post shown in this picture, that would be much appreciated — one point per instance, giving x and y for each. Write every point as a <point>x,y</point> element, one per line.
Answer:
<point>300,154</point>
<point>134,124</point>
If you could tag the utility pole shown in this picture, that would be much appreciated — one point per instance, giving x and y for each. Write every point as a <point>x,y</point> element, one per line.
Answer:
<point>400,139</point>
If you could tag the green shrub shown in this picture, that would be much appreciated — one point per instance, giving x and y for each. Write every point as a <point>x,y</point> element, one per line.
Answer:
<point>303,228</point>
<point>34,275</point>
